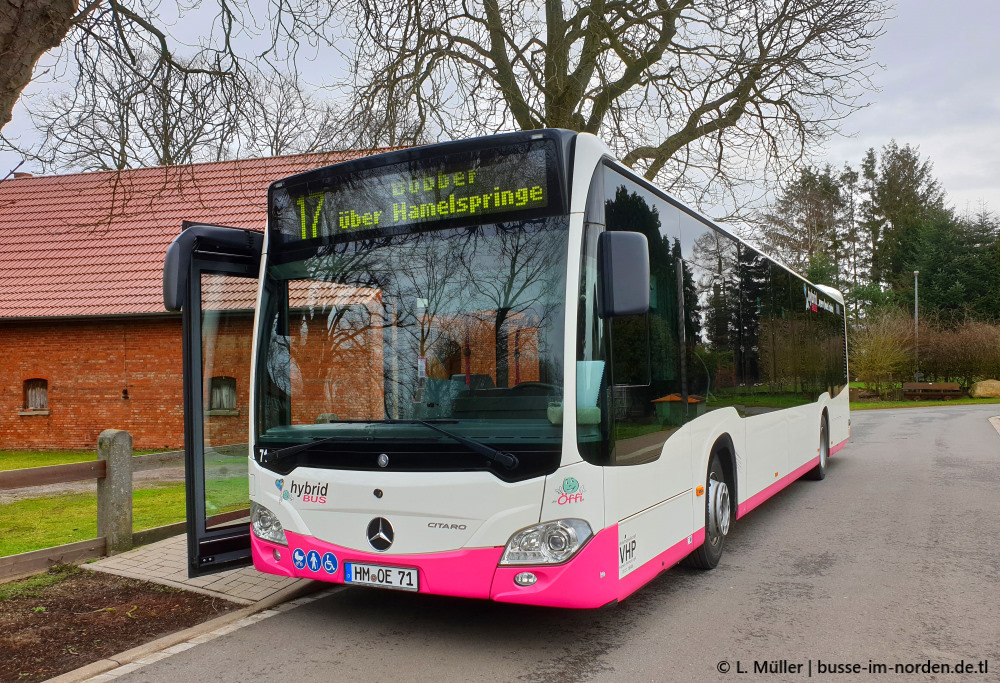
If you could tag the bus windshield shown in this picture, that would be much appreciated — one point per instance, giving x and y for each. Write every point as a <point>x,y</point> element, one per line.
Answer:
<point>460,326</point>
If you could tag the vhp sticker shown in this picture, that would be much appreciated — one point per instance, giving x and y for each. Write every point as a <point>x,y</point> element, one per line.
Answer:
<point>627,547</point>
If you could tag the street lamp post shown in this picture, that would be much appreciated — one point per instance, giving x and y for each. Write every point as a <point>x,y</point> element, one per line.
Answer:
<point>916,327</point>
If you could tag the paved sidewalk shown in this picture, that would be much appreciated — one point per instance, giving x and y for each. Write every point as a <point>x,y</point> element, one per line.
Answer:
<point>165,562</point>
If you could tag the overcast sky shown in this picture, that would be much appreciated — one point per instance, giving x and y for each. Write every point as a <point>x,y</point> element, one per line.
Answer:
<point>939,91</point>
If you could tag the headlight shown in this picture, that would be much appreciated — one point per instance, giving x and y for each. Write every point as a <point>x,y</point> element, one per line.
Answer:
<point>265,525</point>
<point>548,543</point>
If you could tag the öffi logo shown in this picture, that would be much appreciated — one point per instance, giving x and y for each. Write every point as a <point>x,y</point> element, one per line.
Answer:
<point>570,492</point>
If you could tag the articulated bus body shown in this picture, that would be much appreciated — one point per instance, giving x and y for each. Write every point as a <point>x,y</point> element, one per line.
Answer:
<point>504,368</point>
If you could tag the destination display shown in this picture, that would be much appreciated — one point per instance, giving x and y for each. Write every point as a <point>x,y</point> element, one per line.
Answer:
<point>501,184</point>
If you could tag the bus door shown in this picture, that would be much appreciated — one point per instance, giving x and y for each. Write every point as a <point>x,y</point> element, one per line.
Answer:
<point>210,274</point>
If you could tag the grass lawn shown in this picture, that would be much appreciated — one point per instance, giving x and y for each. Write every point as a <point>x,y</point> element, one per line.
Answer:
<point>786,400</point>
<point>54,520</point>
<point>876,405</point>
<point>626,430</point>
<point>33,586</point>
<point>16,460</point>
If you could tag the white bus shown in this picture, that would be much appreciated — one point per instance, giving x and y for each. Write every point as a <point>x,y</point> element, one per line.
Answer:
<point>503,368</point>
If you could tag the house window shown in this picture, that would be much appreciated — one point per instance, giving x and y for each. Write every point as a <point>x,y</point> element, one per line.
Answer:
<point>36,394</point>
<point>223,394</point>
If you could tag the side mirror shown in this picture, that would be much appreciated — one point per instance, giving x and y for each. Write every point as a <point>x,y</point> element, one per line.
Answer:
<point>215,239</point>
<point>623,280</point>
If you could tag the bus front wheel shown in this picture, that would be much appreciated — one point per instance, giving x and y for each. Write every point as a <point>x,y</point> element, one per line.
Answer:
<point>718,513</point>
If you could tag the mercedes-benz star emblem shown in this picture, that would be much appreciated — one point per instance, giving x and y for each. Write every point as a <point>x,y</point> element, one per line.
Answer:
<point>380,534</point>
<point>383,460</point>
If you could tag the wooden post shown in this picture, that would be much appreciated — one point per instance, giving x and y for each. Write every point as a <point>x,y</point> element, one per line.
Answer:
<point>114,491</point>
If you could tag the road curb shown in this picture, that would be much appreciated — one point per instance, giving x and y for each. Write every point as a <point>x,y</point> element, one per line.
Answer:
<point>283,600</point>
<point>995,421</point>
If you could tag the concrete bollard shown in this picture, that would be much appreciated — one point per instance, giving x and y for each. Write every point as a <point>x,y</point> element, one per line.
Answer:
<point>114,491</point>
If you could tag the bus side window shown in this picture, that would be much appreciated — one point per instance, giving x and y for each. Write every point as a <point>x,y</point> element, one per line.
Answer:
<point>755,311</point>
<point>644,350</point>
<point>714,354</point>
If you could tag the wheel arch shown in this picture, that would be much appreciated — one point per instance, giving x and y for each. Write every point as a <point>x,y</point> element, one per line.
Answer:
<point>726,450</point>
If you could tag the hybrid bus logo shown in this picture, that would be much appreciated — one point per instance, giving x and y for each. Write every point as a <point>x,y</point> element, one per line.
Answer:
<point>306,492</point>
<point>814,303</point>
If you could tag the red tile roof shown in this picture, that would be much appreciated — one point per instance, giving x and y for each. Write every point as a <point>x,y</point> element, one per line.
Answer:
<point>92,244</point>
<point>220,292</point>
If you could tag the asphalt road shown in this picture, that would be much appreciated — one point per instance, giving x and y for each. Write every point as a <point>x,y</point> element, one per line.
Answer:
<point>893,559</point>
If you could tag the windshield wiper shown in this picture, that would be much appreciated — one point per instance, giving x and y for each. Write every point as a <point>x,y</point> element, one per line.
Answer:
<point>508,460</point>
<point>269,457</point>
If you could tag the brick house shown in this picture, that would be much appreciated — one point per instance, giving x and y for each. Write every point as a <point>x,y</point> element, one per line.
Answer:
<point>85,344</point>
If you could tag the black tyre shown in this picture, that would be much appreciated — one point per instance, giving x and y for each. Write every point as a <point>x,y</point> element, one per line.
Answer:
<point>718,513</point>
<point>818,473</point>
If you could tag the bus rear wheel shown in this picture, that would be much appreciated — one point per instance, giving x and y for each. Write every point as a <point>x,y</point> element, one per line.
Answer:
<point>818,473</point>
<point>718,514</point>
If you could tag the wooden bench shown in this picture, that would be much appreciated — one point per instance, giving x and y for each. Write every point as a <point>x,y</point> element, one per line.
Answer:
<point>916,391</point>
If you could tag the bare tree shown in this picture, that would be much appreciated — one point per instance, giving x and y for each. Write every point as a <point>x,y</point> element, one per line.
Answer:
<point>276,115</point>
<point>117,119</point>
<point>705,95</point>
<point>519,283</point>
<point>133,40</point>
<point>119,31</point>
<point>689,91</point>
<point>27,31</point>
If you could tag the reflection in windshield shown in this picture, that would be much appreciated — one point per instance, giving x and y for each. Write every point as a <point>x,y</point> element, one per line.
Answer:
<point>464,324</point>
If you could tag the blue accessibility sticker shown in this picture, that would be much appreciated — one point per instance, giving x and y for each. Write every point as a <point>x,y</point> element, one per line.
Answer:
<point>299,558</point>
<point>312,559</point>
<point>330,563</point>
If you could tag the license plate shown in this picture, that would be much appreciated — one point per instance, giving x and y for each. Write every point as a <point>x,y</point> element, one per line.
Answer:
<point>400,578</point>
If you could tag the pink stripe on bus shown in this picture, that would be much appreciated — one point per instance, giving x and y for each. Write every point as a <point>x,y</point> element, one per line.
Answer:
<point>464,573</point>
<point>591,578</point>
<point>588,580</point>
<point>834,449</point>
<point>665,560</point>
<point>755,500</point>
<point>749,504</point>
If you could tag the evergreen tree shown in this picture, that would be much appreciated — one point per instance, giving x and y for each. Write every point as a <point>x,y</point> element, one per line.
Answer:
<point>855,256</point>
<point>959,268</point>
<point>866,232</point>
<point>822,270</point>
<point>903,196</point>
<point>806,221</point>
